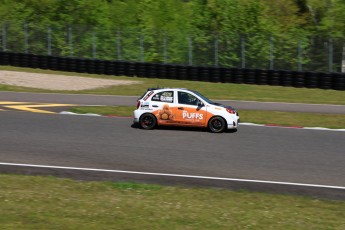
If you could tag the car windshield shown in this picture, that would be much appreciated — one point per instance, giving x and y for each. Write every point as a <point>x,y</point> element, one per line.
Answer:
<point>204,98</point>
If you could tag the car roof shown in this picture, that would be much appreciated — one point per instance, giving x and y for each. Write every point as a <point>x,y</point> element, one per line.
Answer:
<point>162,89</point>
<point>156,89</point>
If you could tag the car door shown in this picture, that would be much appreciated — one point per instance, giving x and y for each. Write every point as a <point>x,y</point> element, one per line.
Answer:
<point>190,109</point>
<point>163,107</point>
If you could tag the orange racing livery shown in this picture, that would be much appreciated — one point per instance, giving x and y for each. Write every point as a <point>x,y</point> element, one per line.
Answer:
<point>183,107</point>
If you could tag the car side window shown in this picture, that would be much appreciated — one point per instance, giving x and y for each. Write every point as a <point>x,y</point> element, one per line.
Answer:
<point>165,96</point>
<point>187,98</point>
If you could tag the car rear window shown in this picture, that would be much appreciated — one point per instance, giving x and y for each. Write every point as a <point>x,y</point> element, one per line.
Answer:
<point>165,96</point>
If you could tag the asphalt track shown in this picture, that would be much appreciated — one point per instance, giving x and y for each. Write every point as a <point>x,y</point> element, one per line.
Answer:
<point>271,159</point>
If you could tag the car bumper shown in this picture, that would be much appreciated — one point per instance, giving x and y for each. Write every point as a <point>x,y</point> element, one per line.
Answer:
<point>234,124</point>
<point>136,116</point>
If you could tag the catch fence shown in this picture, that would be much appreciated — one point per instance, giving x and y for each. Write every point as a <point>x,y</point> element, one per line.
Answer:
<point>251,51</point>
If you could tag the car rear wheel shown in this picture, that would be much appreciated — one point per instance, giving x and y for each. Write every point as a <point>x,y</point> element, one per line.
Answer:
<point>217,124</point>
<point>147,121</point>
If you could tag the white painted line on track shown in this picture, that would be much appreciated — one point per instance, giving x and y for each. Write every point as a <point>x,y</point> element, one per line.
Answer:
<point>80,114</point>
<point>175,175</point>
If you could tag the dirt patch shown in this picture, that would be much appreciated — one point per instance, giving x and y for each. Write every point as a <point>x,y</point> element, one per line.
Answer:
<point>57,82</point>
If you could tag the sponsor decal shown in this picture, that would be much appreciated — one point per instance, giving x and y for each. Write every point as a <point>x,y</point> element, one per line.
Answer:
<point>165,113</point>
<point>174,116</point>
<point>166,99</point>
<point>148,95</point>
<point>155,97</point>
<point>145,104</point>
<point>166,96</point>
<point>197,116</point>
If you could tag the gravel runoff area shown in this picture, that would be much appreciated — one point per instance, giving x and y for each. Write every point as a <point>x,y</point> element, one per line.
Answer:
<point>57,82</point>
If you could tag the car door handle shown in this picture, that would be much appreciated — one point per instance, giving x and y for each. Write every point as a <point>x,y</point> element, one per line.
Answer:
<point>180,108</point>
<point>155,106</point>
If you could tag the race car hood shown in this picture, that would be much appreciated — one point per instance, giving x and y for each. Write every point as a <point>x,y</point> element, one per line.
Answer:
<point>224,106</point>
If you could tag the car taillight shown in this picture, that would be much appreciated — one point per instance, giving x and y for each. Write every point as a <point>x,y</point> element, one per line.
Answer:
<point>230,111</point>
<point>138,104</point>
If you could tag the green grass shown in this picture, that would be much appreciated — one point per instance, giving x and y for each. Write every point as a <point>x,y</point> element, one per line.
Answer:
<point>211,90</point>
<point>32,202</point>
<point>334,121</point>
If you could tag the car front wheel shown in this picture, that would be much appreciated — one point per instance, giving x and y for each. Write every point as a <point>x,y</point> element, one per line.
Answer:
<point>217,124</point>
<point>147,121</point>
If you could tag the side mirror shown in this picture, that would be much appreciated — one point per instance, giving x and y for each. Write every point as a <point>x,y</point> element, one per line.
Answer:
<point>200,104</point>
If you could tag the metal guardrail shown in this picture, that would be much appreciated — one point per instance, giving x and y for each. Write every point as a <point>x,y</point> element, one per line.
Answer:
<point>322,80</point>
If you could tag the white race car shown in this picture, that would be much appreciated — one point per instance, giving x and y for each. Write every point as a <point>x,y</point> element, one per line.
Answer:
<point>183,107</point>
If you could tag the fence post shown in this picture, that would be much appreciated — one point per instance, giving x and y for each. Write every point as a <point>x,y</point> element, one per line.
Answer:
<point>94,47</point>
<point>70,42</point>
<point>190,51</point>
<point>26,43</point>
<point>271,53</point>
<point>4,37</point>
<point>330,53</point>
<point>165,48</point>
<point>142,48</point>
<point>243,51</point>
<point>343,60</point>
<point>118,45</point>
<point>299,50</point>
<point>216,50</point>
<point>49,41</point>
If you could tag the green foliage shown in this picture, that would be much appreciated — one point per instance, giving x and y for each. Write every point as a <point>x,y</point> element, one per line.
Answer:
<point>164,30</point>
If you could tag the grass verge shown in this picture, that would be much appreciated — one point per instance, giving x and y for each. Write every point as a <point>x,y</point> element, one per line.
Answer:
<point>33,202</point>
<point>211,90</point>
<point>333,121</point>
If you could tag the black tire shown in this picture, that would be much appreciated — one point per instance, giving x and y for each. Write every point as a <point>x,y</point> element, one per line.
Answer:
<point>217,124</point>
<point>147,121</point>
